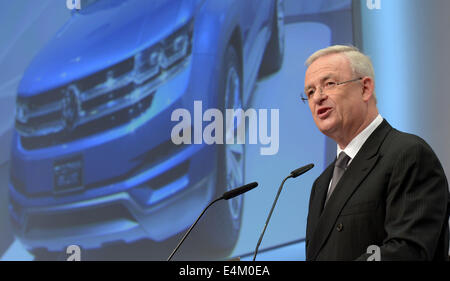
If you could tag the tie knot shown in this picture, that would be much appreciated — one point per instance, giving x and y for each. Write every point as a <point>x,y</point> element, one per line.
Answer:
<point>342,160</point>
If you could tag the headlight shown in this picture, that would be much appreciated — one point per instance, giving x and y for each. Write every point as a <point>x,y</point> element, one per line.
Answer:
<point>164,54</point>
<point>177,47</point>
<point>147,63</point>
<point>21,112</point>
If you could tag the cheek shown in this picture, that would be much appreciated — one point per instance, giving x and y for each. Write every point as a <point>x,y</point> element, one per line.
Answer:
<point>351,108</point>
<point>311,108</point>
<point>341,107</point>
<point>315,119</point>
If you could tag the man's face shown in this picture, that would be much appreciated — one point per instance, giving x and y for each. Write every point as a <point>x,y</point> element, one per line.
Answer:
<point>339,111</point>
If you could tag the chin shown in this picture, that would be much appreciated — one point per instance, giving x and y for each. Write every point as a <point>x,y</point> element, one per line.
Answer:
<point>327,128</point>
<point>325,125</point>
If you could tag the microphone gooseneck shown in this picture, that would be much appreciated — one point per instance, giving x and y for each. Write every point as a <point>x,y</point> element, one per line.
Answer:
<point>227,195</point>
<point>294,174</point>
<point>190,229</point>
<point>269,216</point>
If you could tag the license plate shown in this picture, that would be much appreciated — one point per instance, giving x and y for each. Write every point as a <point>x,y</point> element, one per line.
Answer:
<point>68,174</point>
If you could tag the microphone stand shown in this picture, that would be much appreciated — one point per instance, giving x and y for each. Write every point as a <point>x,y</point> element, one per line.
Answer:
<point>270,215</point>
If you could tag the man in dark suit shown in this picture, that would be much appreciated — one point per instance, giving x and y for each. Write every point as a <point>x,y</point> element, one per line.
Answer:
<point>386,188</point>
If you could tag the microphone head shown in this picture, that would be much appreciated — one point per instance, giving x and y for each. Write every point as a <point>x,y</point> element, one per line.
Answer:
<point>297,172</point>
<point>238,191</point>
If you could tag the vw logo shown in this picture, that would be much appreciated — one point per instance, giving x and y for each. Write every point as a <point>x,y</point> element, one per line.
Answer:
<point>71,107</point>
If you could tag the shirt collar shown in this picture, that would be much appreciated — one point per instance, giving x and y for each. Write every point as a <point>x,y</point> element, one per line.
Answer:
<point>355,144</point>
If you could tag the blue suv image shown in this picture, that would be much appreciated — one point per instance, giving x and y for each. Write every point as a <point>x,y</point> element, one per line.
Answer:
<point>92,161</point>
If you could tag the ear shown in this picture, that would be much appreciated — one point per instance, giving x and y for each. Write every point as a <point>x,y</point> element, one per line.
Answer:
<point>368,88</point>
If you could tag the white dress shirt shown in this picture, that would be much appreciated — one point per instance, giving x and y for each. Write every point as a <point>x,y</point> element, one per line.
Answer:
<point>355,144</point>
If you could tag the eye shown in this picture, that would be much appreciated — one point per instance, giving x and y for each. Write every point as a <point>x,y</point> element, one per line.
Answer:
<point>309,93</point>
<point>329,84</point>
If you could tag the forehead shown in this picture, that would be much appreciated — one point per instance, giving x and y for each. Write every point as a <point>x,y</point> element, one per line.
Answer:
<point>333,65</point>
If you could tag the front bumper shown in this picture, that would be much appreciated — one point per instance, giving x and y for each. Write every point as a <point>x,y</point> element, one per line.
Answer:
<point>116,217</point>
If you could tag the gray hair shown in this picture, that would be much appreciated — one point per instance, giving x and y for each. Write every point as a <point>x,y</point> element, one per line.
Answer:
<point>359,62</point>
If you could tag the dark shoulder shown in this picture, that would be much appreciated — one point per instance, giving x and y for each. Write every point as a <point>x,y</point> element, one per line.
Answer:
<point>399,142</point>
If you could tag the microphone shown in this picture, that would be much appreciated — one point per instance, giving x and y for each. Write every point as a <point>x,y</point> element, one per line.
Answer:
<point>238,191</point>
<point>295,173</point>
<point>227,195</point>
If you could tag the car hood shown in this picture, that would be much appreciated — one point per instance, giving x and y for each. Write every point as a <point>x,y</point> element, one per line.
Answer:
<point>103,34</point>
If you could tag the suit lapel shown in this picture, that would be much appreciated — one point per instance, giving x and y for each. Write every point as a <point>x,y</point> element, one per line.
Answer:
<point>357,171</point>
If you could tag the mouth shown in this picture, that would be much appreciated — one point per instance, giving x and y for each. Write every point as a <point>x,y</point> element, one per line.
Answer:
<point>323,112</point>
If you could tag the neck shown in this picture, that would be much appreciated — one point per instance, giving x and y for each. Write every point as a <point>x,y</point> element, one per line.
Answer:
<point>346,138</point>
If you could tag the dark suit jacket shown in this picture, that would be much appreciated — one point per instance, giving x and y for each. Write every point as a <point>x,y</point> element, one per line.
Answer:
<point>394,194</point>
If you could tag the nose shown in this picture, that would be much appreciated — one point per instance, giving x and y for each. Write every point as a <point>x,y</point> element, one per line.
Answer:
<point>319,96</point>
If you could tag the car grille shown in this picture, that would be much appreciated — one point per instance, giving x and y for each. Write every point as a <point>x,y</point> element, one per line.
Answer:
<point>103,100</point>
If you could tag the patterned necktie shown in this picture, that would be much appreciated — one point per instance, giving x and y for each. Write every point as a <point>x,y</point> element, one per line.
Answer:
<point>339,169</point>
